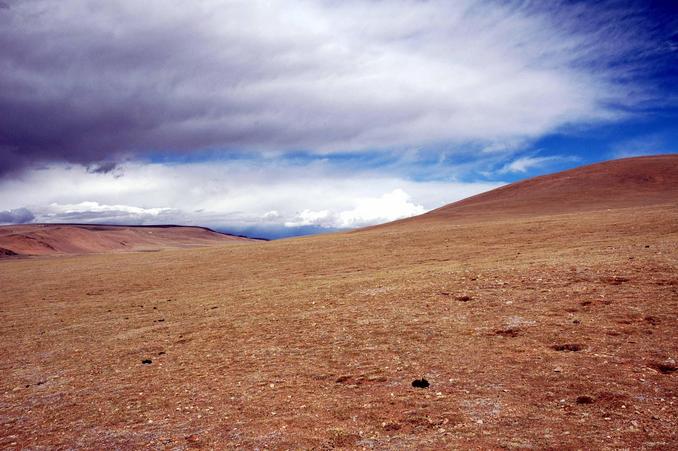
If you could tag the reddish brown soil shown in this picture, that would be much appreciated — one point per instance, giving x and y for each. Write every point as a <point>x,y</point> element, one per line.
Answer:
<point>546,331</point>
<point>54,239</point>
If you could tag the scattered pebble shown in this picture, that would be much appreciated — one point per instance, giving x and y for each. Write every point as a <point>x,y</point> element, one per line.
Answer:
<point>666,367</point>
<point>420,383</point>
<point>568,347</point>
<point>509,332</point>
<point>584,399</point>
<point>652,320</point>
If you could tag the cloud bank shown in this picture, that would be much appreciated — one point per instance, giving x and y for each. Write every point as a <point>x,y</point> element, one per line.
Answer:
<point>96,83</point>
<point>16,216</point>
<point>230,195</point>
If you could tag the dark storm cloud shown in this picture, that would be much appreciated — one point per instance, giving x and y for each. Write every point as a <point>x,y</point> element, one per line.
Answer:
<point>95,82</point>
<point>16,216</point>
<point>102,168</point>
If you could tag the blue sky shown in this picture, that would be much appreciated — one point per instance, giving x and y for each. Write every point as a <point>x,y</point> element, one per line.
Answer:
<point>284,118</point>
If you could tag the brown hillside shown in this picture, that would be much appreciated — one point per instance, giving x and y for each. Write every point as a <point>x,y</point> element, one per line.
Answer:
<point>621,183</point>
<point>51,239</point>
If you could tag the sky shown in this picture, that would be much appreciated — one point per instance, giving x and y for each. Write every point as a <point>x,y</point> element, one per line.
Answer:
<point>281,118</point>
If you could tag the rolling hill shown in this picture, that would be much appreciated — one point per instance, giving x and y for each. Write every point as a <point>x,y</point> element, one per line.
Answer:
<point>55,239</point>
<point>624,183</point>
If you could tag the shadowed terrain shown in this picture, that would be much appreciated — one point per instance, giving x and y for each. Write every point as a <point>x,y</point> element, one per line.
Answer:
<point>552,326</point>
<point>54,239</point>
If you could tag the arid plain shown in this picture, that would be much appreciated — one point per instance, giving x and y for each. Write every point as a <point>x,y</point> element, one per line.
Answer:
<point>543,315</point>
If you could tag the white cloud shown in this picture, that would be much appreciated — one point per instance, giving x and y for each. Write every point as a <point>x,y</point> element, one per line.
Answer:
<point>94,212</point>
<point>366,211</point>
<point>642,145</point>
<point>98,208</point>
<point>271,215</point>
<point>228,194</point>
<point>524,164</point>
<point>389,207</point>
<point>308,217</point>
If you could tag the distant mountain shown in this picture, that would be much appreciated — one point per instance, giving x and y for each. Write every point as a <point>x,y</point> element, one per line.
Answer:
<point>56,239</point>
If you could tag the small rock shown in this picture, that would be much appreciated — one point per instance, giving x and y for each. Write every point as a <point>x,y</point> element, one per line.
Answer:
<point>147,361</point>
<point>508,332</point>
<point>558,369</point>
<point>568,347</point>
<point>668,366</point>
<point>390,426</point>
<point>652,320</point>
<point>584,399</point>
<point>420,383</point>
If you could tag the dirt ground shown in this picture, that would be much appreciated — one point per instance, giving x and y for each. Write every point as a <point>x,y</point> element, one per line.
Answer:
<point>546,332</point>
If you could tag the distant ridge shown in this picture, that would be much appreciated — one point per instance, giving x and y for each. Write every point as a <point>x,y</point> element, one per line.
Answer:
<point>627,182</point>
<point>59,239</point>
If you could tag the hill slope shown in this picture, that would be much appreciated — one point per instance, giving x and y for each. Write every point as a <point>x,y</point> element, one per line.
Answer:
<point>621,183</point>
<point>546,331</point>
<point>51,239</point>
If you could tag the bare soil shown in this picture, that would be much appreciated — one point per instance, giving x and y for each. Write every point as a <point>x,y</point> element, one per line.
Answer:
<point>549,331</point>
